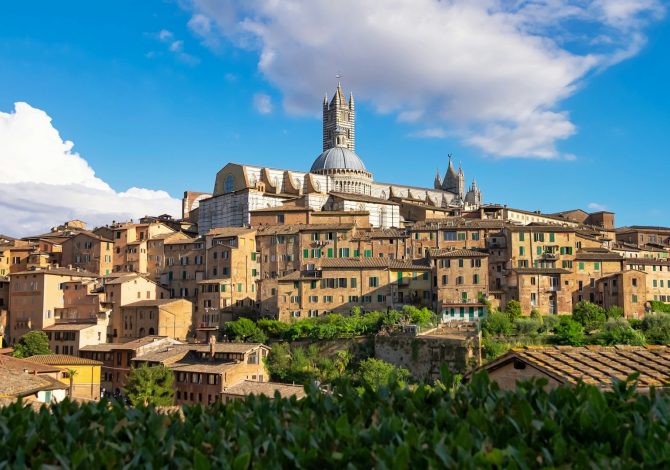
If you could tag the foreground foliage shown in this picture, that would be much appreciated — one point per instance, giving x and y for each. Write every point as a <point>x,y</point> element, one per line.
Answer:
<point>470,426</point>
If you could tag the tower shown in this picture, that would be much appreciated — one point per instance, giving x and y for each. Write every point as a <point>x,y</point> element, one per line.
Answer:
<point>338,121</point>
<point>461,182</point>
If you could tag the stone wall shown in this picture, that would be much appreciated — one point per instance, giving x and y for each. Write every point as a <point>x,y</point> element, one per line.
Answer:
<point>423,355</point>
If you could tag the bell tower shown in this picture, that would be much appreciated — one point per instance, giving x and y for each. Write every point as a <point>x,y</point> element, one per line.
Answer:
<point>338,121</point>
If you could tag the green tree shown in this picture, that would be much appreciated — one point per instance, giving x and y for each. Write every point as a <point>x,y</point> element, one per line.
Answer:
<point>32,343</point>
<point>513,309</point>
<point>497,324</point>
<point>150,386</point>
<point>569,332</point>
<point>549,323</point>
<point>376,373</point>
<point>590,316</point>
<point>421,316</point>
<point>615,312</point>
<point>245,330</point>
<point>656,328</point>
<point>619,331</point>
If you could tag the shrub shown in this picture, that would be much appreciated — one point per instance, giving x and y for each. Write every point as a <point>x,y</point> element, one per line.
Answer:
<point>513,309</point>
<point>536,315</point>
<point>245,330</point>
<point>474,425</point>
<point>549,323</point>
<point>273,328</point>
<point>615,312</point>
<point>375,373</point>
<point>569,332</point>
<point>492,348</point>
<point>660,307</point>
<point>590,316</point>
<point>32,343</point>
<point>497,323</point>
<point>619,331</point>
<point>656,328</point>
<point>527,326</point>
<point>421,316</point>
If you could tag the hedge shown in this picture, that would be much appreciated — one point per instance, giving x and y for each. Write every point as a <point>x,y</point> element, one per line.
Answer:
<point>471,426</point>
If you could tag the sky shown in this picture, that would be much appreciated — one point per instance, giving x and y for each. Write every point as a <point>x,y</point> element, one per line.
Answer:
<point>111,110</point>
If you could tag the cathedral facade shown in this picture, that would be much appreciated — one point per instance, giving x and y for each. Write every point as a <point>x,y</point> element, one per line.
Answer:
<point>338,180</point>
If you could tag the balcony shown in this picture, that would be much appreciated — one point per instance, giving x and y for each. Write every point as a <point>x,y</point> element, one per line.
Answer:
<point>550,256</point>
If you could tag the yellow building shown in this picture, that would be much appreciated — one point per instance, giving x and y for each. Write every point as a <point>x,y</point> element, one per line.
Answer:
<point>82,376</point>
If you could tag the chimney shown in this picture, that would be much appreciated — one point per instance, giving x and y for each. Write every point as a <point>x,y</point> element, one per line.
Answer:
<point>212,345</point>
<point>69,266</point>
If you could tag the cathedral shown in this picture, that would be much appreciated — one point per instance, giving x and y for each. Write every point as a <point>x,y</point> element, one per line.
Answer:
<point>338,180</point>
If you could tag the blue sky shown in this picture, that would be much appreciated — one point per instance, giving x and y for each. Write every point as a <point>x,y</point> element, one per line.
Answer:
<point>161,95</point>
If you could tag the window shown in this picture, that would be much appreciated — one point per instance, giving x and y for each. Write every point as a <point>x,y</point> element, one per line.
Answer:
<point>581,266</point>
<point>449,236</point>
<point>634,282</point>
<point>445,279</point>
<point>552,237</point>
<point>381,298</point>
<point>459,280</point>
<point>522,251</point>
<point>461,236</point>
<point>475,279</point>
<point>367,299</point>
<point>522,236</point>
<point>353,298</point>
<point>328,299</point>
<point>367,253</point>
<point>374,282</point>
<point>460,262</point>
<point>475,236</point>
<point>596,265</point>
<point>476,263</point>
<point>634,299</point>
<point>354,282</point>
<point>229,184</point>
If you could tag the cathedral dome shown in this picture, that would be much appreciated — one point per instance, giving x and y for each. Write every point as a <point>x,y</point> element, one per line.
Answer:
<point>337,158</point>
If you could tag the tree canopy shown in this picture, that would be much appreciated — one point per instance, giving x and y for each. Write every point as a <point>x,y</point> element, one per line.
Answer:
<point>32,343</point>
<point>150,386</point>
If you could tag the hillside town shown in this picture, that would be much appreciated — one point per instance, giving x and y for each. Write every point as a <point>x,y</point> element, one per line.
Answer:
<point>289,245</point>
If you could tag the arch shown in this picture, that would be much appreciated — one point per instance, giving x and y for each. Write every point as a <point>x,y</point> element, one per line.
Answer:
<point>142,332</point>
<point>151,331</point>
<point>229,184</point>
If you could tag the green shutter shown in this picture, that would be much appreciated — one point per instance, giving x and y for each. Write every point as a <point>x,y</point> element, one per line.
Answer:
<point>330,252</point>
<point>356,254</point>
<point>305,253</point>
<point>552,236</point>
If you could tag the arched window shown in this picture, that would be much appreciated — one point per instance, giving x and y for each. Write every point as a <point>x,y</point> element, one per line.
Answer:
<point>229,184</point>
<point>151,331</point>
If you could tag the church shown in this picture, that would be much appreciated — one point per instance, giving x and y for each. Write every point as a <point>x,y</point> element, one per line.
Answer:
<point>338,180</point>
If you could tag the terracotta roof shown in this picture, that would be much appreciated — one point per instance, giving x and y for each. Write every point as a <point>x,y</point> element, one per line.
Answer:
<point>17,364</point>
<point>229,231</point>
<point>154,303</point>
<point>374,263</point>
<point>595,365</point>
<point>249,387</point>
<point>541,271</point>
<point>649,261</point>
<point>165,356</point>
<point>381,233</point>
<point>19,384</point>
<point>60,272</point>
<point>63,360</point>
<point>69,326</point>
<point>362,198</point>
<point>539,228</point>
<point>204,367</point>
<point>597,255</point>
<point>463,253</point>
<point>88,234</point>
<point>130,345</point>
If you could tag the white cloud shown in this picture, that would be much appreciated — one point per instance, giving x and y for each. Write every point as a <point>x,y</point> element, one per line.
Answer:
<point>262,103</point>
<point>175,46</point>
<point>493,70</point>
<point>44,182</point>
<point>430,133</point>
<point>594,206</point>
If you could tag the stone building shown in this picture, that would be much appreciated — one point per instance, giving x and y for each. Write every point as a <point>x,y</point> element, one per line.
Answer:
<point>34,297</point>
<point>203,371</point>
<point>338,180</point>
<point>90,252</point>
<point>461,281</point>
<point>340,284</point>
<point>159,317</point>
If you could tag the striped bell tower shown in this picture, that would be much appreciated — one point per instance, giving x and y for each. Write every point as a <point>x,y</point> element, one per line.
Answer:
<point>338,121</point>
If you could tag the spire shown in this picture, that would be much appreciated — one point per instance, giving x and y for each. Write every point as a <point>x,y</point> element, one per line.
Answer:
<point>438,180</point>
<point>351,100</point>
<point>460,168</point>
